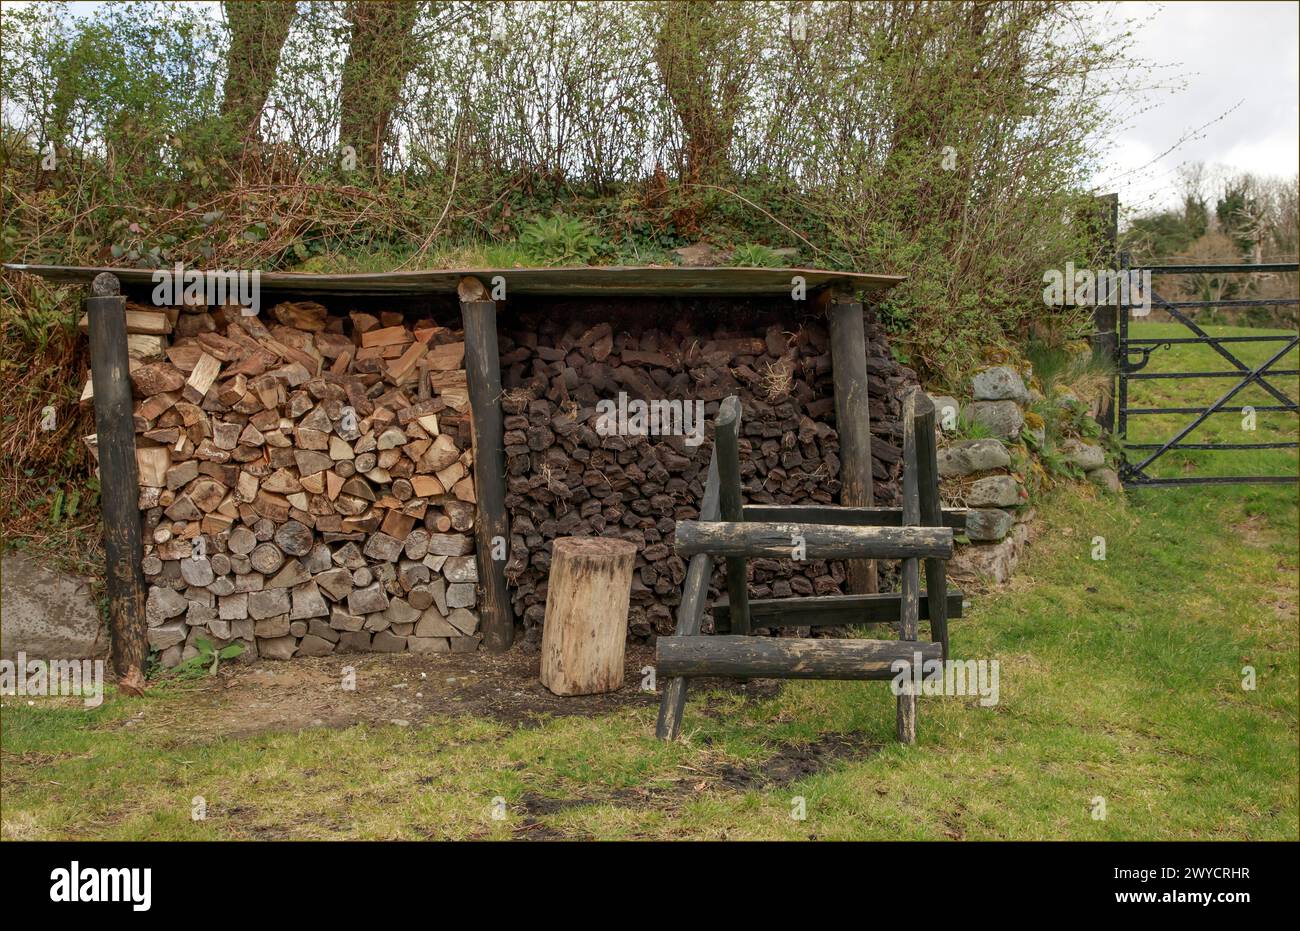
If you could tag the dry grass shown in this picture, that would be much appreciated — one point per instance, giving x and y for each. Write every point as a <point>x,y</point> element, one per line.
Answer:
<point>777,380</point>
<point>518,395</point>
<point>50,497</point>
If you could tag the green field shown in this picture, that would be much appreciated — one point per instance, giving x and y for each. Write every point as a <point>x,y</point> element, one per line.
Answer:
<point>1120,679</point>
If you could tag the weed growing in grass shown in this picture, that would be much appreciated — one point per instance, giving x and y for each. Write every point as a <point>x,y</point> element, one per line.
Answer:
<point>968,429</point>
<point>207,660</point>
<point>1069,370</point>
<point>561,240</point>
<point>753,255</point>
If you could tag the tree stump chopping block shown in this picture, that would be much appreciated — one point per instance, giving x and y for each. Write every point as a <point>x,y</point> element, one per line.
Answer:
<point>585,628</point>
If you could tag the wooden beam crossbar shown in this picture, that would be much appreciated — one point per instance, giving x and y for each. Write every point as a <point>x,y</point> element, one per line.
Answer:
<point>953,518</point>
<point>830,610</point>
<point>811,541</point>
<point>788,658</point>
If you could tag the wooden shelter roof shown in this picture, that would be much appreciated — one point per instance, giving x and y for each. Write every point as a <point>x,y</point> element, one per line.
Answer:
<point>608,281</point>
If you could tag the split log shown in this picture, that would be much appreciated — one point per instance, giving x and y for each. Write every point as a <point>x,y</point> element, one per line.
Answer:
<point>139,320</point>
<point>301,462</point>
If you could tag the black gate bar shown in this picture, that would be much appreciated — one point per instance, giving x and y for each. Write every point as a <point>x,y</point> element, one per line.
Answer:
<point>1236,302</point>
<point>1133,473</point>
<point>1291,445</point>
<point>1257,408</point>
<point>1236,374</point>
<point>1237,267</point>
<point>1215,480</point>
<point>1152,341</point>
<point>1252,376</point>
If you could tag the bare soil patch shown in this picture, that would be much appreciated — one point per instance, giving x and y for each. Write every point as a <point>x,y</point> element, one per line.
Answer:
<point>395,688</point>
<point>796,761</point>
<point>398,688</point>
<point>789,764</point>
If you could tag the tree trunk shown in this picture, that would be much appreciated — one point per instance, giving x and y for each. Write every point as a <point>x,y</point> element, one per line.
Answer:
<point>379,58</point>
<point>690,41</point>
<point>257,34</point>
<point>586,615</point>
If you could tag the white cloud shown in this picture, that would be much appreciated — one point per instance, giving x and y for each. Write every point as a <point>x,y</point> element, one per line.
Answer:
<point>1240,69</point>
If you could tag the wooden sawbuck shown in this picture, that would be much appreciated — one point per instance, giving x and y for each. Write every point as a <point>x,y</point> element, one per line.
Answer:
<point>919,532</point>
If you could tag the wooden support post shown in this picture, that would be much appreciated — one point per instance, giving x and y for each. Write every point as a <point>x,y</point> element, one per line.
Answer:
<point>1105,338</point>
<point>491,526</point>
<point>927,479</point>
<point>119,481</point>
<point>853,422</point>
<point>585,629</point>
<point>910,577</point>
<point>726,440</point>
<point>689,612</point>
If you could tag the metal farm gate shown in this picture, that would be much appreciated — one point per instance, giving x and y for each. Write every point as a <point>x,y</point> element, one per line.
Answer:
<point>1135,352</point>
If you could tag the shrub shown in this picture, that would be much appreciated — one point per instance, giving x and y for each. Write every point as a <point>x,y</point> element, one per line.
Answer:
<point>951,143</point>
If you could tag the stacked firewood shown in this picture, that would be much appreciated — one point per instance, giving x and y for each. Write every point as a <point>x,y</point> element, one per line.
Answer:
<point>306,483</point>
<point>565,477</point>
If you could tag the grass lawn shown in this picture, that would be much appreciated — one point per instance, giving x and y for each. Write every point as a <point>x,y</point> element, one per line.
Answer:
<point>1120,679</point>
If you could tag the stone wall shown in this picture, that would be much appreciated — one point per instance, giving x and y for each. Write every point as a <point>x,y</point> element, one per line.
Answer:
<point>980,474</point>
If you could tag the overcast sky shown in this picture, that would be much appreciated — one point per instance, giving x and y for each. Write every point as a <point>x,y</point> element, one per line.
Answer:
<point>1239,59</point>
<point>1232,76</point>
